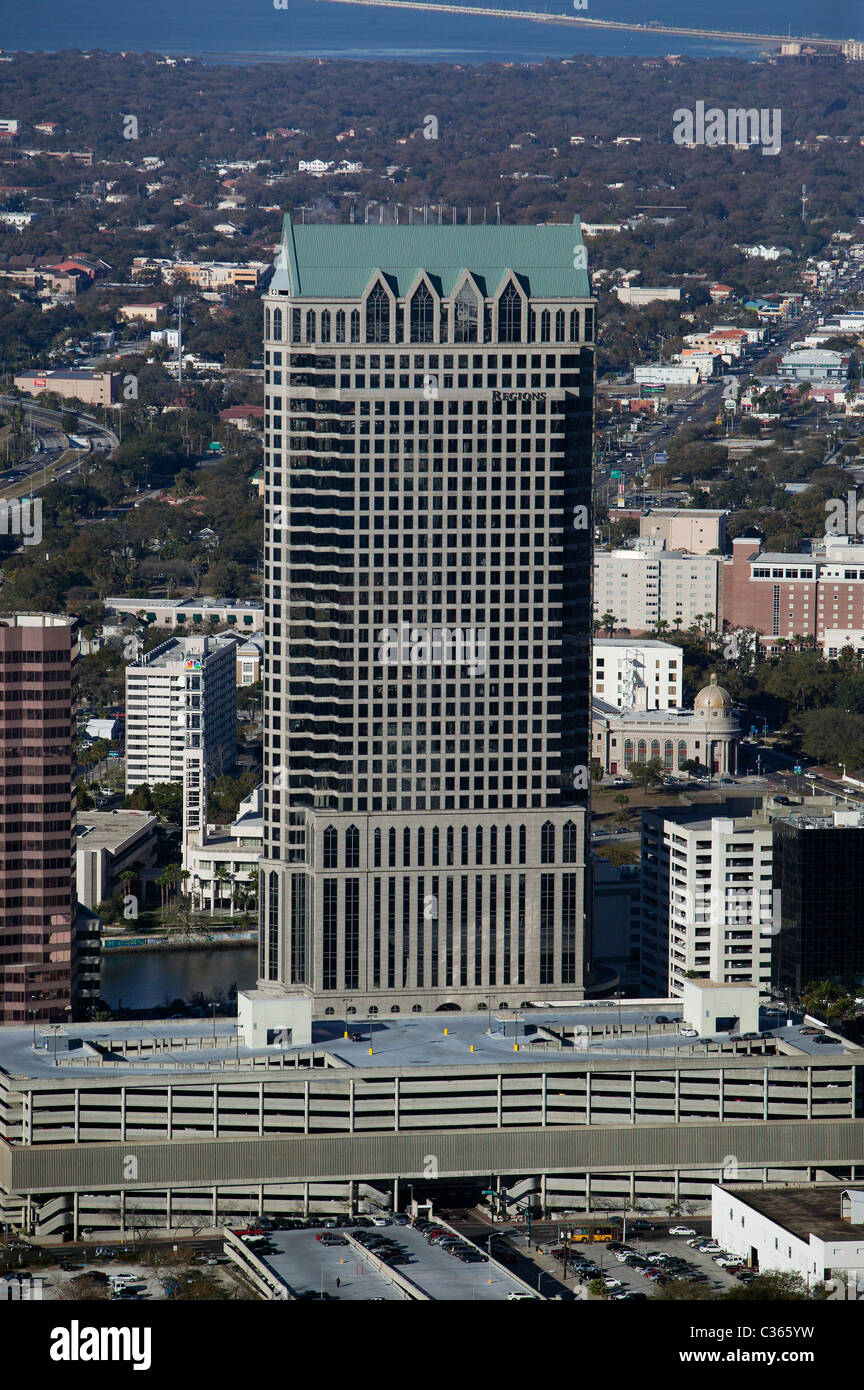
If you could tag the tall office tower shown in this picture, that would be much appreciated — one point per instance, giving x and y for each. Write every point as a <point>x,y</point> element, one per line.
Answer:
<point>182,694</point>
<point>819,879</point>
<point>429,400</point>
<point>38,655</point>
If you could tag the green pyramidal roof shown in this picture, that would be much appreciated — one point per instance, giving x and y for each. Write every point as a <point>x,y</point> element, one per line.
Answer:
<point>337,262</point>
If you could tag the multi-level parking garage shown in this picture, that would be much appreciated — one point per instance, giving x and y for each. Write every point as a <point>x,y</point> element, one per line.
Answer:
<point>146,1127</point>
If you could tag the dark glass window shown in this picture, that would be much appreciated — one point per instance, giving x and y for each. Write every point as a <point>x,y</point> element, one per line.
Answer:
<point>378,316</point>
<point>510,316</point>
<point>422,322</point>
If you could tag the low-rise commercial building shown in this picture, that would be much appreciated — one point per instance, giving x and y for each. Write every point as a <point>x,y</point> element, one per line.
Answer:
<point>153,314</point>
<point>646,294</point>
<point>662,374</point>
<point>222,861</point>
<point>695,530</point>
<point>216,275</point>
<point>815,364</point>
<point>706,735</point>
<point>815,1231</point>
<point>108,843</point>
<point>190,614</point>
<point>92,388</point>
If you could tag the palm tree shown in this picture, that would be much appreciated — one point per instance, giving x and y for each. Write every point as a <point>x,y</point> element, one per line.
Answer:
<point>607,622</point>
<point>168,880</point>
<point>222,875</point>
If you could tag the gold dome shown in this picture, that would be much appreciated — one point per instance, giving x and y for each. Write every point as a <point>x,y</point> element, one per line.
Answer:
<point>713,700</point>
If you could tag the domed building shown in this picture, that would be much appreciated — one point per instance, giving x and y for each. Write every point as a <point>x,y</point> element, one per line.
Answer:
<point>708,734</point>
<point>713,701</point>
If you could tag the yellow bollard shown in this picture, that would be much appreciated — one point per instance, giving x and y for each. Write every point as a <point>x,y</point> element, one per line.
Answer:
<point>471,1048</point>
<point>515,1047</point>
<point>370,1052</point>
<point>445,1032</point>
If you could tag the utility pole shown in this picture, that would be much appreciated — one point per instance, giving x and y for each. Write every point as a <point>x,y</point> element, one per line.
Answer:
<point>179,301</point>
<point>804,201</point>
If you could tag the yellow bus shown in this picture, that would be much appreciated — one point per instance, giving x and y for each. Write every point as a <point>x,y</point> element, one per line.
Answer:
<point>593,1231</point>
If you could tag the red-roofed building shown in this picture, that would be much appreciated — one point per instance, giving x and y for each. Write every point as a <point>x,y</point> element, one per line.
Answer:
<point>719,293</point>
<point>243,417</point>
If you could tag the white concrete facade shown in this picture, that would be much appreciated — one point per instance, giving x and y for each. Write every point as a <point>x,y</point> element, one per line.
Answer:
<point>707,900</point>
<point>742,1229</point>
<point>180,695</point>
<point>637,675</point>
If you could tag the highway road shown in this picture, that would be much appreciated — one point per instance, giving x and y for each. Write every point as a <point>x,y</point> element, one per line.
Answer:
<point>545,17</point>
<point>54,459</point>
<point>705,403</point>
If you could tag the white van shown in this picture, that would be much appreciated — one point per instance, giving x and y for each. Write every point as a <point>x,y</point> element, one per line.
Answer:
<point>123,1281</point>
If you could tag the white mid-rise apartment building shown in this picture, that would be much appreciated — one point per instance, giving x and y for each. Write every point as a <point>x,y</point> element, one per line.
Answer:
<point>637,674</point>
<point>648,584</point>
<point>182,694</point>
<point>707,899</point>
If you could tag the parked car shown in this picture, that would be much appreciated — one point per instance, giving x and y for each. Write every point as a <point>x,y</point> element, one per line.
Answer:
<point>689,1032</point>
<point>681,1231</point>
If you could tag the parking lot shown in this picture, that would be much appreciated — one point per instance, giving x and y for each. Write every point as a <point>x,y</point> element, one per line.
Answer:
<point>147,1281</point>
<point>631,1279</point>
<point>310,1262</point>
<point>309,1267</point>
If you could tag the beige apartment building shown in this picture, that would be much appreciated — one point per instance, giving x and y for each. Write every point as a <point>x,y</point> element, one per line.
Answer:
<point>217,275</point>
<point>156,315</point>
<point>648,584</point>
<point>695,530</point>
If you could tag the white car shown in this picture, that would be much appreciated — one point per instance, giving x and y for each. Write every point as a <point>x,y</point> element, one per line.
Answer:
<point>689,1032</point>
<point>611,1283</point>
<point>520,1293</point>
<point>681,1231</point>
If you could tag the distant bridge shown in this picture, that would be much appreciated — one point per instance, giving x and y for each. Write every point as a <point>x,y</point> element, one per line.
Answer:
<point>721,35</point>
